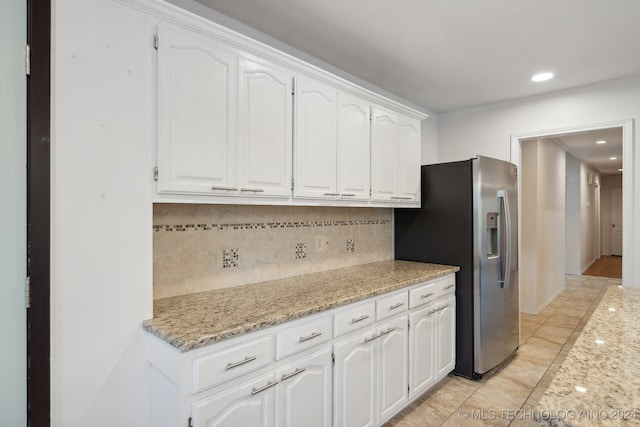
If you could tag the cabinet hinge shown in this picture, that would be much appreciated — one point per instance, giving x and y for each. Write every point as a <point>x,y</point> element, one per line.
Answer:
<point>190,422</point>
<point>293,85</point>
<point>155,42</point>
<point>292,184</point>
<point>408,323</point>
<point>408,389</point>
<point>27,292</point>
<point>333,358</point>
<point>27,60</point>
<point>155,173</point>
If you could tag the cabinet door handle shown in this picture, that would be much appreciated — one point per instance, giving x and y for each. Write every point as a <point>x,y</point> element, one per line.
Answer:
<point>264,387</point>
<point>224,188</point>
<point>310,337</point>
<point>348,195</point>
<point>331,194</point>
<point>427,295</point>
<point>252,190</point>
<point>360,319</point>
<point>247,359</point>
<point>292,374</point>
<point>387,331</point>
<point>449,286</point>
<point>394,306</point>
<point>401,198</point>
<point>371,338</point>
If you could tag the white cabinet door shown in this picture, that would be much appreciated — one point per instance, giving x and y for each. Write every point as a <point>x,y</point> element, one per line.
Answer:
<point>304,395</point>
<point>354,140</point>
<point>264,135</point>
<point>384,154</point>
<point>446,347</point>
<point>422,342</point>
<point>409,160</point>
<point>392,368</point>
<point>355,381</point>
<point>248,404</point>
<point>315,139</point>
<point>196,113</point>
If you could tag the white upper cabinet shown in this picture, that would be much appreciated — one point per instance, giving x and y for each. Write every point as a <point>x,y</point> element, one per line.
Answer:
<point>315,139</point>
<point>384,154</point>
<point>265,129</point>
<point>196,113</point>
<point>354,139</point>
<point>395,158</point>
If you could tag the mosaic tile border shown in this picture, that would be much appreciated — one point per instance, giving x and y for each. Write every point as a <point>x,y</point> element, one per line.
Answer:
<point>267,225</point>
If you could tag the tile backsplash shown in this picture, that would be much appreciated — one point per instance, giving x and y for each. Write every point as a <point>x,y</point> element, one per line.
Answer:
<point>202,247</point>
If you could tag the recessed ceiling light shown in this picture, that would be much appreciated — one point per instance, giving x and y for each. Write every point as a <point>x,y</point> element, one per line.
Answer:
<point>541,77</point>
<point>613,158</point>
<point>602,141</point>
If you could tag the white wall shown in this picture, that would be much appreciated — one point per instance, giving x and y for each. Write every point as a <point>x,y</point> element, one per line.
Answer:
<point>429,135</point>
<point>542,224</point>
<point>587,216</point>
<point>487,130</point>
<point>13,187</point>
<point>572,218</point>
<point>101,214</point>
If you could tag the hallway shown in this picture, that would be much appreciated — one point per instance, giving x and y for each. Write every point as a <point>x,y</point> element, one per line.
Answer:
<point>507,396</point>
<point>606,266</point>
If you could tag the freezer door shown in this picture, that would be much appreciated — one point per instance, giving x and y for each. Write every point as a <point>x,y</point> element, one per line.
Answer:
<point>496,298</point>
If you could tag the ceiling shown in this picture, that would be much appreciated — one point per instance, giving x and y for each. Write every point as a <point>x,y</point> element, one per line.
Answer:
<point>445,55</point>
<point>582,145</point>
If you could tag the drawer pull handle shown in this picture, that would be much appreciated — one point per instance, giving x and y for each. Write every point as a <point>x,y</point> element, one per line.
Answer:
<point>348,195</point>
<point>372,337</point>
<point>252,190</point>
<point>427,295</point>
<point>224,188</point>
<point>310,337</point>
<point>387,331</point>
<point>331,194</point>
<point>247,359</point>
<point>264,387</point>
<point>292,374</point>
<point>449,286</point>
<point>360,319</point>
<point>401,198</point>
<point>394,306</point>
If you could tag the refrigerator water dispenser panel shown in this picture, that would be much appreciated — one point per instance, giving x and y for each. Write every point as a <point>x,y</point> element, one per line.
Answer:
<point>493,250</point>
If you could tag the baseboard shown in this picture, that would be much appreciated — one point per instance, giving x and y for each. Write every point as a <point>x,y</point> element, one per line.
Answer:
<point>589,265</point>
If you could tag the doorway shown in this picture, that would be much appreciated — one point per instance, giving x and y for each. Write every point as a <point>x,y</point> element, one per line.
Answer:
<point>625,127</point>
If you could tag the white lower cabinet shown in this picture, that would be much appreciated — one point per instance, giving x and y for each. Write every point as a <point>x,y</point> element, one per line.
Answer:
<point>337,368</point>
<point>303,396</point>
<point>371,374</point>
<point>251,403</point>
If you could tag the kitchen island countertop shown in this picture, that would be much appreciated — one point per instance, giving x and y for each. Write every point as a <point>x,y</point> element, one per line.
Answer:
<point>598,383</point>
<point>191,321</point>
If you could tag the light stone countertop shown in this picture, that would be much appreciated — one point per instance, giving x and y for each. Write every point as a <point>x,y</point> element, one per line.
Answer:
<point>192,321</point>
<point>599,382</point>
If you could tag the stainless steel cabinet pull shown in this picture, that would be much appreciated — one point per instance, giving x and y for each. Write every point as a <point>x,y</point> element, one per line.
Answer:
<point>347,195</point>
<point>371,338</point>
<point>387,331</point>
<point>247,359</point>
<point>264,387</point>
<point>401,198</point>
<point>394,306</point>
<point>252,190</point>
<point>310,337</point>
<point>449,286</point>
<point>360,319</point>
<point>331,194</point>
<point>292,374</point>
<point>224,188</point>
<point>427,295</point>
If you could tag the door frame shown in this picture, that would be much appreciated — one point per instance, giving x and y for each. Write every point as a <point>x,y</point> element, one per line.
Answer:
<point>38,213</point>
<point>628,182</point>
<point>611,209</point>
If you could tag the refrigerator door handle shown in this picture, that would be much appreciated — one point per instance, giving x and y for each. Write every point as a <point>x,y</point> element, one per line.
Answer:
<point>504,238</point>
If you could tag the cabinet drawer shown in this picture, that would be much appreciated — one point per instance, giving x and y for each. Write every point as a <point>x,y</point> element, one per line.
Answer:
<point>447,285</point>
<point>220,366</point>
<point>302,335</point>
<point>422,294</point>
<point>354,318</point>
<point>392,304</point>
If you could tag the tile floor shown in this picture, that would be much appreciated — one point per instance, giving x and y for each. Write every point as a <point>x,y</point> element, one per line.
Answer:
<point>506,396</point>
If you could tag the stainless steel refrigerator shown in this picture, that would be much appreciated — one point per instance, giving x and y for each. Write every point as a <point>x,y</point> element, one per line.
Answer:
<point>468,217</point>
